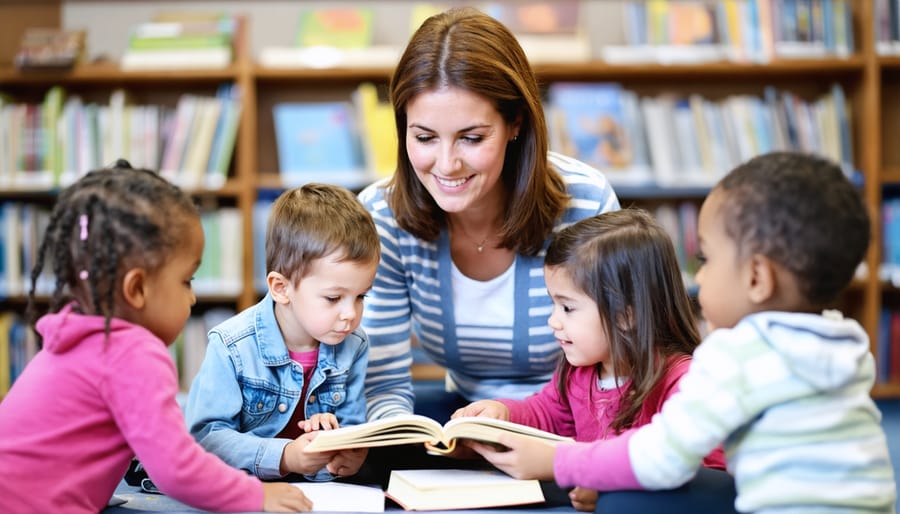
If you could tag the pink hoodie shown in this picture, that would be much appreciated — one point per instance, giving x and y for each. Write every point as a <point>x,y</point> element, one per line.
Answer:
<point>85,405</point>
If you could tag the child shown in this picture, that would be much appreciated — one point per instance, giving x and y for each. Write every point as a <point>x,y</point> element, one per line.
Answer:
<point>124,244</point>
<point>267,383</point>
<point>782,383</point>
<point>624,321</point>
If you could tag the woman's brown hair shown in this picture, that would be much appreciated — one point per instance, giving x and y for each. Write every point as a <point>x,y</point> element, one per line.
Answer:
<point>467,49</point>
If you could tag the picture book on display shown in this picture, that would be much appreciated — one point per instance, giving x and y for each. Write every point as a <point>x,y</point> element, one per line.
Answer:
<point>413,428</point>
<point>588,121</point>
<point>318,142</point>
<point>448,489</point>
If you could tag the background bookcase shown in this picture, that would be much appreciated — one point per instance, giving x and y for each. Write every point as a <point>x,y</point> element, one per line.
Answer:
<point>871,83</point>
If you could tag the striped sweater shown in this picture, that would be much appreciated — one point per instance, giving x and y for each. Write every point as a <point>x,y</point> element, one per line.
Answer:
<point>412,294</point>
<point>788,394</point>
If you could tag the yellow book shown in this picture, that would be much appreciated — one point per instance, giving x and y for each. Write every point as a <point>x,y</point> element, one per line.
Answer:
<point>377,131</point>
<point>6,321</point>
<point>413,428</point>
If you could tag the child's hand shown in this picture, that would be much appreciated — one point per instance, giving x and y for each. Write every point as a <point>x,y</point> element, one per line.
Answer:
<point>484,408</point>
<point>347,462</point>
<point>324,421</point>
<point>524,458</point>
<point>283,497</point>
<point>295,460</point>
<point>583,499</point>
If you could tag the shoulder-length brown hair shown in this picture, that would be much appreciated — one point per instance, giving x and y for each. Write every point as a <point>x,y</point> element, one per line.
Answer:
<point>467,49</point>
<point>625,261</point>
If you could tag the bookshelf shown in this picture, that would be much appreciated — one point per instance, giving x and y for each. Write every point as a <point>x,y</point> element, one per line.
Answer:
<point>870,81</point>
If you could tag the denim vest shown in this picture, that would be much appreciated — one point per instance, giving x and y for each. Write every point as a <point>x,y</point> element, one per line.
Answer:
<point>248,387</point>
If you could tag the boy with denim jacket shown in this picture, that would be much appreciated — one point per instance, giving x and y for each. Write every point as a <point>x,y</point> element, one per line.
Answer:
<point>295,362</point>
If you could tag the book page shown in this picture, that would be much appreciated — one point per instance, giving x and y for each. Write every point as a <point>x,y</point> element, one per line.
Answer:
<point>340,497</point>
<point>383,432</point>
<point>488,430</point>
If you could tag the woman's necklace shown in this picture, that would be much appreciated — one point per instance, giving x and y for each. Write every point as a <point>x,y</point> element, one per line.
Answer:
<point>479,245</point>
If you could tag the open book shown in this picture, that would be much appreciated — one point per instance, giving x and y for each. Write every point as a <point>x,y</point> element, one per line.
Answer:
<point>446,489</point>
<point>420,429</point>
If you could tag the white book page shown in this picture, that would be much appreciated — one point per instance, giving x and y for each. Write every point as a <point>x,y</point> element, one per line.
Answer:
<point>340,497</point>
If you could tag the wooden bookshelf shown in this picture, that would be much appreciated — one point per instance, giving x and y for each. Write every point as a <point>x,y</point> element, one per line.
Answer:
<point>871,83</point>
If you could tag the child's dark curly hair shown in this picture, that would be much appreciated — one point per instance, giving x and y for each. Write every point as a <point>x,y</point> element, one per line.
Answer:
<point>802,212</point>
<point>111,219</point>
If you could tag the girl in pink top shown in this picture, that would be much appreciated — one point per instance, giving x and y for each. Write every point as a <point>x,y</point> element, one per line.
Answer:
<point>625,324</point>
<point>123,245</point>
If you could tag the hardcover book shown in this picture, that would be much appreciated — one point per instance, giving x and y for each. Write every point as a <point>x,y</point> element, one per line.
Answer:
<point>420,429</point>
<point>588,122</point>
<point>447,489</point>
<point>318,142</point>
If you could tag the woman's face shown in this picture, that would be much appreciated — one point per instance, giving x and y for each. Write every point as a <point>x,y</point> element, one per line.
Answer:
<point>456,141</point>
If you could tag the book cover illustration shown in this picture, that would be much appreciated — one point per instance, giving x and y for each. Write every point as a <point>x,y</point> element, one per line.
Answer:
<point>588,122</point>
<point>338,27</point>
<point>318,142</point>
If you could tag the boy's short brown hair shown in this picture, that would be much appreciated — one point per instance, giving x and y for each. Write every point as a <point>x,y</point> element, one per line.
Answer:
<point>315,220</point>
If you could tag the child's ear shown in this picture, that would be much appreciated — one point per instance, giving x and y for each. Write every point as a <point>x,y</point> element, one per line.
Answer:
<point>762,279</point>
<point>133,285</point>
<point>279,287</point>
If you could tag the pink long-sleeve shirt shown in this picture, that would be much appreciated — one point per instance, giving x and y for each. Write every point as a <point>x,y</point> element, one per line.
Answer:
<point>85,405</point>
<point>587,411</point>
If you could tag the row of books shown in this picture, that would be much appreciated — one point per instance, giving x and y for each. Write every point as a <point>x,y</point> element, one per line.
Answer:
<point>888,347</point>
<point>655,30</point>
<point>52,143</point>
<point>674,140</point>
<point>189,348</point>
<point>887,26</point>
<point>735,30</point>
<point>890,241</point>
<point>345,143</point>
<point>23,225</point>
<point>18,344</point>
<point>342,36</point>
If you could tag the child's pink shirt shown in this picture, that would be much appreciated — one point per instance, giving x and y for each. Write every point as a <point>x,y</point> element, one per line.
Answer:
<point>85,405</point>
<point>587,411</point>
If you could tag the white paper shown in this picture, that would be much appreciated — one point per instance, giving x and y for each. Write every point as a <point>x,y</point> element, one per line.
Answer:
<point>340,497</point>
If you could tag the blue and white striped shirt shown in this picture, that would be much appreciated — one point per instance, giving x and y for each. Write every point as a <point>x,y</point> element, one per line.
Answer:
<point>411,294</point>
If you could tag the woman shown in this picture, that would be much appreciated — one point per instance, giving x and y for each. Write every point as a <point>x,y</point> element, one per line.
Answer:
<point>465,219</point>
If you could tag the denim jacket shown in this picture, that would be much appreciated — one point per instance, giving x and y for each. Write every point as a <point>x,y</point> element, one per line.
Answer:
<point>248,387</point>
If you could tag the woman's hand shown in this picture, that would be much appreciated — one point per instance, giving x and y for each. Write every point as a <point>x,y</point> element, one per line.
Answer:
<point>524,457</point>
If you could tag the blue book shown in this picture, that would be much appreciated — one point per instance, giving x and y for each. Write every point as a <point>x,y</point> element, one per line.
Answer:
<point>588,122</point>
<point>319,142</point>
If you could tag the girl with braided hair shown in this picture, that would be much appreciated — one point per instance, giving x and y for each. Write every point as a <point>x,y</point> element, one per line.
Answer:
<point>123,245</point>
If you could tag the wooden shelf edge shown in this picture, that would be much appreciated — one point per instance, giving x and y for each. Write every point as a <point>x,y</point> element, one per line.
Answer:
<point>886,390</point>
<point>90,73</point>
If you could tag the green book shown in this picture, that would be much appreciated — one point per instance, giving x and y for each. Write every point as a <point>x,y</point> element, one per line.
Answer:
<point>344,27</point>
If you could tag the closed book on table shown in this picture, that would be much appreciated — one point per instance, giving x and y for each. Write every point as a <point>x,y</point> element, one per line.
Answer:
<point>449,489</point>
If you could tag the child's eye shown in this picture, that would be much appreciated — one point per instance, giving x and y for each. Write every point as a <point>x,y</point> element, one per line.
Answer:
<point>361,297</point>
<point>332,299</point>
<point>567,309</point>
<point>701,259</point>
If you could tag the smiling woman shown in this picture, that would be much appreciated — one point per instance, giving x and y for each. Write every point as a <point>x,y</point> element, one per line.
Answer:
<point>463,221</point>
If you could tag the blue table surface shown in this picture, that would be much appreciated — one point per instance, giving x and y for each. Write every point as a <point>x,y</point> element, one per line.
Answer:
<point>137,501</point>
